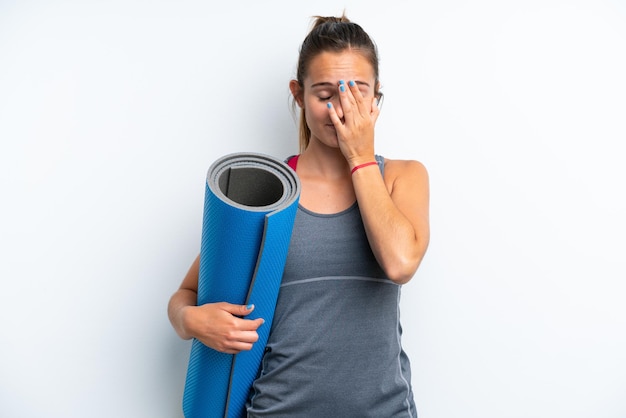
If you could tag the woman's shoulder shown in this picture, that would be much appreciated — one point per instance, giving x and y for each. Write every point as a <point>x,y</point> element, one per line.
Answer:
<point>406,175</point>
<point>405,168</point>
<point>408,185</point>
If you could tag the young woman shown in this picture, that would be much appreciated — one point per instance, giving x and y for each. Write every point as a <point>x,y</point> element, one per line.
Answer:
<point>361,231</point>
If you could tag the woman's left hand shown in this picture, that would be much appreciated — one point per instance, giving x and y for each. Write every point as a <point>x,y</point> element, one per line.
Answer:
<point>355,131</point>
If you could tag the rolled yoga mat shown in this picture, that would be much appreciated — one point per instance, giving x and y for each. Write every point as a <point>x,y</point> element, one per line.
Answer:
<point>249,209</point>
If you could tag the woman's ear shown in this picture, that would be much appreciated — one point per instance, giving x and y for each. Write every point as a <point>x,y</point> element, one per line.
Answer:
<point>297,93</point>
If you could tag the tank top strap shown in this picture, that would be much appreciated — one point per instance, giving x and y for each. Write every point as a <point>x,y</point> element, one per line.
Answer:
<point>381,163</point>
<point>293,161</point>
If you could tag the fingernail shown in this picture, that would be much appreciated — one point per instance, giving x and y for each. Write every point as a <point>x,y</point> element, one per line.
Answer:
<point>342,88</point>
<point>251,306</point>
<point>341,82</point>
<point>351,83</point>
<point>329,105</point>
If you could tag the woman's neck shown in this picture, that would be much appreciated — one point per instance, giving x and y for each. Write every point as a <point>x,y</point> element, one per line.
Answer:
<point>322,161</point>
<point>325,177</point>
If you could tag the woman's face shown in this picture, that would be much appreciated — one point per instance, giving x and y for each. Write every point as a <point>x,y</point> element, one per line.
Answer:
<point>321,86</point>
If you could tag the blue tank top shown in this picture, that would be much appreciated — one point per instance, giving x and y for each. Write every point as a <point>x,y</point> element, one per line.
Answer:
<point>334,348</point>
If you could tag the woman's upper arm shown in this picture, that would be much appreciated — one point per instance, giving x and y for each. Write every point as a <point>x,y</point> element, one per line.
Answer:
<point>190,281</point>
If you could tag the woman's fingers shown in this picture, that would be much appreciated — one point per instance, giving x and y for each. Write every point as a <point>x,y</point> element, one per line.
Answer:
<point>355,100</point>
<point>244,336</point>
<point>222,327</point>
<point>348,101</point>
<point>237,310</point>
<point>354,106</point>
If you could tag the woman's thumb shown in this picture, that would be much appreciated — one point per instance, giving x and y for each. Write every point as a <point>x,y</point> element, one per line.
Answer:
<point>245,309</point>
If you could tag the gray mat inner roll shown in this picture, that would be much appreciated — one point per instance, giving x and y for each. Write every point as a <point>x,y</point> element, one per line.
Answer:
<point>251,186</point>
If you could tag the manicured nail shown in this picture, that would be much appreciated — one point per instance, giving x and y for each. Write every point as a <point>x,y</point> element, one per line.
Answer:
<point>342,88</point>
<point>341,82</point>
<point>251,306</point>
<point>329,105</point>
<point>351,83</point>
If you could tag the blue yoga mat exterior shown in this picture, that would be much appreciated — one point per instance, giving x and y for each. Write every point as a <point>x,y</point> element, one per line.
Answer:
<point>249,210</point>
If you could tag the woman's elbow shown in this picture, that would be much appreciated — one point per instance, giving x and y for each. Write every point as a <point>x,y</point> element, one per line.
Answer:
<point>402,269</point>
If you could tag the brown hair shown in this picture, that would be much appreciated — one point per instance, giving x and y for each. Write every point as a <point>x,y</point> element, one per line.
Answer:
<point>333,34</point>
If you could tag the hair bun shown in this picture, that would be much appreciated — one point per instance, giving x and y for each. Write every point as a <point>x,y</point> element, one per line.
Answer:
<point>320,20</point>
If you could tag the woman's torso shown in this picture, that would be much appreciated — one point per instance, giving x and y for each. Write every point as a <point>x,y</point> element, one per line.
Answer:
<point>334,349</point>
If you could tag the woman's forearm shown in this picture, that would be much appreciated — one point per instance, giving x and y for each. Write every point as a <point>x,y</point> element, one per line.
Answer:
<point>395,215</point>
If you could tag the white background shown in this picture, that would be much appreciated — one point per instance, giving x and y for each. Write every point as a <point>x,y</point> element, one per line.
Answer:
<point>111,113</point>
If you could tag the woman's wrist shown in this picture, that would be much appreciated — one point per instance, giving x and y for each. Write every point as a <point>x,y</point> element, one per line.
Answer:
<point>363,165</point>
<point>185,322</point>
<point>359,160</point>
